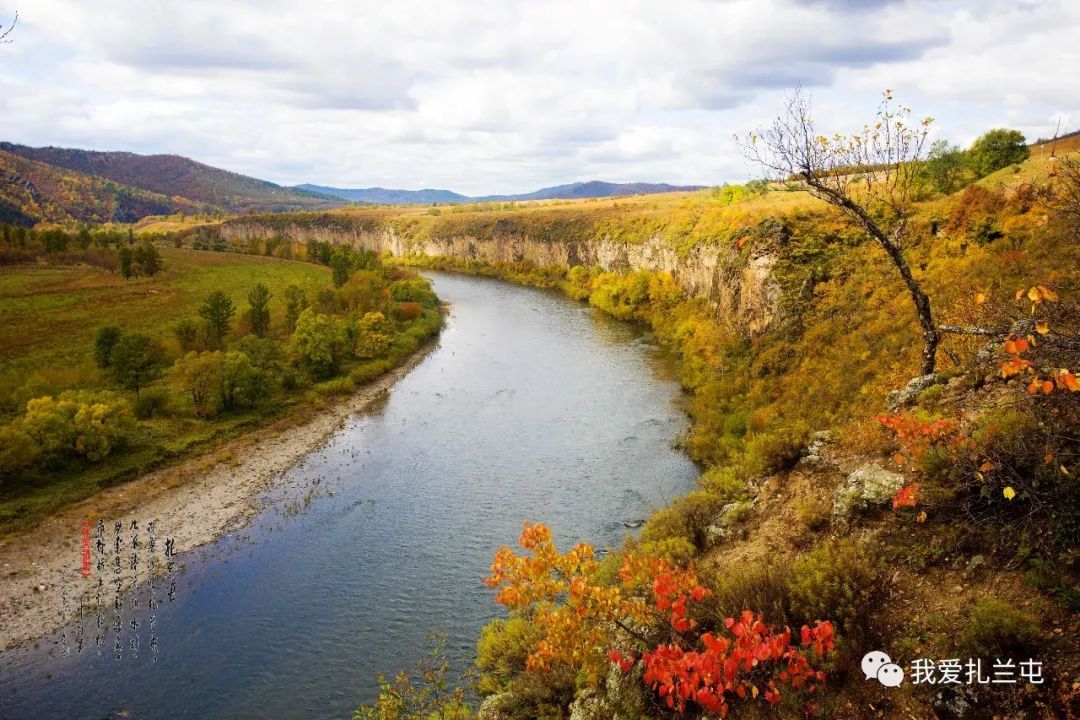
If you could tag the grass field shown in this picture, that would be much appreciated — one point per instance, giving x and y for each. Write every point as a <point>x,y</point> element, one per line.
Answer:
<point>50,314</point>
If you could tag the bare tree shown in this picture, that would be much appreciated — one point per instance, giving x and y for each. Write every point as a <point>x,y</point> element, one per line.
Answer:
<point>870,175</point>
<point>4,39</point>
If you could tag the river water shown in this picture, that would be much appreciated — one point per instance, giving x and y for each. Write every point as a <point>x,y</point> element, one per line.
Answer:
<point>534,407</point>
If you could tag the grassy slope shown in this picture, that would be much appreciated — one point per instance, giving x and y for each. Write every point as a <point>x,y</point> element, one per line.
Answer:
<point>51,313</point>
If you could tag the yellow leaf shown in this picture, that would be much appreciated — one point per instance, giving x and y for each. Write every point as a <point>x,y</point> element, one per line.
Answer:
<point>980,298</point>
<point>1034,295</point>
<point>1042,327</point>
<point>1008,492</point>
<point>921,517</point>
<point>1047,293</point>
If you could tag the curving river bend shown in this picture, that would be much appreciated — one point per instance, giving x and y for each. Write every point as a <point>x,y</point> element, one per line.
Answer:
<point>534,407</point>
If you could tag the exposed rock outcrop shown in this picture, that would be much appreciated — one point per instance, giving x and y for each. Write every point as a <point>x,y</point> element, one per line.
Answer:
<point>737,278</point>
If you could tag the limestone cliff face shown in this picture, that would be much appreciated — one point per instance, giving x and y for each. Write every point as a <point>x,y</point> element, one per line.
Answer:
<point>738,281</point>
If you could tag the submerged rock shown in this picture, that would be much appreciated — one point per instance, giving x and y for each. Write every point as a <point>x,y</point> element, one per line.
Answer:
<point>868,487</point>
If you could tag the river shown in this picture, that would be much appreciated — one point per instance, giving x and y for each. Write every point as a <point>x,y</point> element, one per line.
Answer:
<point>533,407</point>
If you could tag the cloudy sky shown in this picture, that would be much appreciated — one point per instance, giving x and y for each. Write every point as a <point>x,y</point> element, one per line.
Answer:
<point>485,96</point>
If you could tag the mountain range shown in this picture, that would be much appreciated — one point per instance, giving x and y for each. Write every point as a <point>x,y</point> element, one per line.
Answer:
<point>591,189</point>
<point>64,185</point>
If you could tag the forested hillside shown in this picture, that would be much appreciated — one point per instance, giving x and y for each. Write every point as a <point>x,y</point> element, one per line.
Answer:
<point>32,192</point>
<point>62,184</point>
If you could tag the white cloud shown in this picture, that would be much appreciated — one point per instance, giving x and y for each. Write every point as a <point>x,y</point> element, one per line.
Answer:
<point>488,96</point>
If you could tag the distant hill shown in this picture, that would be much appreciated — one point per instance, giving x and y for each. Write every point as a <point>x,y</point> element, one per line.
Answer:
<point>387,196</point>
<point>593,189</point>
<point>180,177</point>
<point>32,191</point>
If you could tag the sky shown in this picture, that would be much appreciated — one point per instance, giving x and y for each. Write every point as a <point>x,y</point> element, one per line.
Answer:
<point>484,96</point>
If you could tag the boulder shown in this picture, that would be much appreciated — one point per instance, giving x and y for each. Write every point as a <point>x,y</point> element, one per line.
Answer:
<point>869,487</point>
<point>722,525</point>
<point>495,707</point>
<point>902,398</point>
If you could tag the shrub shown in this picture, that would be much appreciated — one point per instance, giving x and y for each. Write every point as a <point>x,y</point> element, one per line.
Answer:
<point>836,580</point>
<point>368,371</point>
<point>814,513</point>
<point>998,629</point>
<point>78,424</point>
<point>687,517</point>
<point>154,401</point>
<point>767,453</point>
<point>337,386</point>
<point>678,549</point>
<point>373,336</point>
<point>187,333</point>
<point>501,653</point>
<point>17,449</point>
<point>412,290</point>
<point>762,586</point>
<point>502,650</point>
<point>722,482</point>
<point>406,311</point>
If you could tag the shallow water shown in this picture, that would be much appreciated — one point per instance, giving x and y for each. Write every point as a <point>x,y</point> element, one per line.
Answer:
<point>533,407</point>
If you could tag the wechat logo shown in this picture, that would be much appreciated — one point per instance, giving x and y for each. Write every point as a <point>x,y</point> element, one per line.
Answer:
<point>877,665</point>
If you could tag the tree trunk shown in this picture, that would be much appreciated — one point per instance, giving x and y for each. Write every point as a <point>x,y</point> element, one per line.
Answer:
<point>931,336</point>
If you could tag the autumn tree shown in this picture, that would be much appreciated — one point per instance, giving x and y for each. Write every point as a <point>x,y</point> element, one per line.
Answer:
<point>869,175</point>
<point>217,310</point>
<point>319,343</point>
<point>588,624</point>
<point>259,310</point>
<point>198,375</point>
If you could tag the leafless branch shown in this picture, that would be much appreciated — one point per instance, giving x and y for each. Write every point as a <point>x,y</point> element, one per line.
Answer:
<point>4,39</point>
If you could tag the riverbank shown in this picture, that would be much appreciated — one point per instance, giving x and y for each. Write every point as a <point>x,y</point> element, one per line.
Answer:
<point>194,503</point>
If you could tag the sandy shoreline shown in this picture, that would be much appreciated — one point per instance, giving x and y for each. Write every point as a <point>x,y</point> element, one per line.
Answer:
<point>194,503</point>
